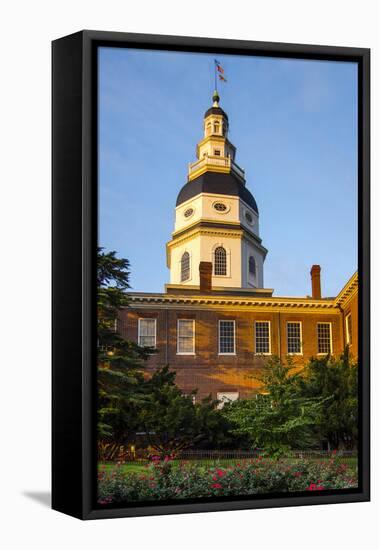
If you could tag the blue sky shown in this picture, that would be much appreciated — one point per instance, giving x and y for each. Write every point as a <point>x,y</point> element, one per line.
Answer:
<point>294,124</point>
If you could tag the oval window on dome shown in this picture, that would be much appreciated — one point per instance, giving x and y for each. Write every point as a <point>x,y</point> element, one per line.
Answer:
<point>188,212</point>
<point>220,207</point>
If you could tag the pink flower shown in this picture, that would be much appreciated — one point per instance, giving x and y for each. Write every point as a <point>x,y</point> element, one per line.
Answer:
<point>315,487</point>
<point>297,474</point>
<point>216,486</point>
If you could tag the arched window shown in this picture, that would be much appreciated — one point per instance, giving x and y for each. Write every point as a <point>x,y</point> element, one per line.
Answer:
<point>252,267</point>
<point>208,128</point>
<point>216,127</point>
<point>185,267</point>
<point>220,261</point>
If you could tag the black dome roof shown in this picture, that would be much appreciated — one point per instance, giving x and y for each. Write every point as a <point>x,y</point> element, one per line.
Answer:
<point>215,111</point>
<point>217,184</point>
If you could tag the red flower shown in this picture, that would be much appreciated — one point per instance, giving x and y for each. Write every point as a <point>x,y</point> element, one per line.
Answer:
<point>297,474</point>
<point>216,486</point>
<point>315,487</point>
<point>215,478</point>
<point>221,473</point>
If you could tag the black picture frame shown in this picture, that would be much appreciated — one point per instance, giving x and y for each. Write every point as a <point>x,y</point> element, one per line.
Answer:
<point>74,204</point>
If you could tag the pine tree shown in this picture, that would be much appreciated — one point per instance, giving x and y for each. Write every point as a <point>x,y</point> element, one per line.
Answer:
<point>120,362</point>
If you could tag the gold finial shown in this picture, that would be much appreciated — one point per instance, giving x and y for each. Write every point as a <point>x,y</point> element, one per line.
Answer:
<point>216,98</point>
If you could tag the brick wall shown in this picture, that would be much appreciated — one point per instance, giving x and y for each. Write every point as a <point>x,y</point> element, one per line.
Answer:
<point>210,372</point>
<point>351,307</point>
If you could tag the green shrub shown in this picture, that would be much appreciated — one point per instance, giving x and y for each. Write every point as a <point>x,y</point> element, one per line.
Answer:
<point>163,480</point>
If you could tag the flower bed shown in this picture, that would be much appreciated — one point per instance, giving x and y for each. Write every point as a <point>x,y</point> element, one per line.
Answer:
<point>164,480</point>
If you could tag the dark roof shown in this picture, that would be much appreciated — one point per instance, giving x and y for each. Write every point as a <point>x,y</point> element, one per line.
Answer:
<point>215,111</point>
<point>217,184</point>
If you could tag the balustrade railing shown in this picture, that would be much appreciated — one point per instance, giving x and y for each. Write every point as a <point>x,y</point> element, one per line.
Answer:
<point>212,160</point>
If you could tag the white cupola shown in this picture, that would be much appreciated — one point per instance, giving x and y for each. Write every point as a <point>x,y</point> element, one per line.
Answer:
<point>216,216</point>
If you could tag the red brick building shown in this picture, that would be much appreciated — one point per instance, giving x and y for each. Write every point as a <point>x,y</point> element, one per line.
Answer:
<point>216,323</point>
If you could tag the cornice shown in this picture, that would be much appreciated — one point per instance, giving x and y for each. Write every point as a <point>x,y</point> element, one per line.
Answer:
<point>209,226</point>
<point>197,230</point>
<point>348,291</point>
<point>232,302</point>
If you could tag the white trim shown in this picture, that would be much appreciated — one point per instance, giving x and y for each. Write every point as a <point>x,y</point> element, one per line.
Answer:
<point>189,395</point>
<point>177,337</point>
<point>190,266</point>
<point>228,261</point>
<point>348,336</point>
<point>269,337</point>
<point>186,209</point>
<point>301,337</point>
<point>234,336</point>
<point>155,330</point>
<point>226,204</point>
<point>248,277</point>
<point>330,336</point>
<point>220,394</point>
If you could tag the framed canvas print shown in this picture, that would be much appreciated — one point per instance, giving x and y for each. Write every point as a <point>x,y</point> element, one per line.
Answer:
<point>210,274</point>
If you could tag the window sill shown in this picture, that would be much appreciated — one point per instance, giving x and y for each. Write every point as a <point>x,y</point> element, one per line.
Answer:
<point>184,353</point>
<point>227,353</point>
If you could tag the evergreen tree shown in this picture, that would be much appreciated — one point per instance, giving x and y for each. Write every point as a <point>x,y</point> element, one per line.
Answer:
<point>120,362</point>
<point>280,418</point>
<point>170,420</point>
<point>337,421</point>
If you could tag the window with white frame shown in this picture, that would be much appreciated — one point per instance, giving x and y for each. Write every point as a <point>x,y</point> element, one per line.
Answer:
<point>185,270</point>
<point>190,396</point>
<point>349,329</point>
<point>147,333</point>
<point>294,346</point>
<point>186,336</point>
<point>220,266</point>
<point>262,337</point>
<point>324,338</point>
<point>252,267</point>
<point>226,397</point>
<point>226,337</point>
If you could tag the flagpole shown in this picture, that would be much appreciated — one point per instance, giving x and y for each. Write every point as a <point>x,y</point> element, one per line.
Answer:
<point>215,75</point>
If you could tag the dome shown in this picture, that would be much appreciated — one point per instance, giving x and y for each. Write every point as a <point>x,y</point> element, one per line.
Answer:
<point>216,184</point>
<point>215,111</point>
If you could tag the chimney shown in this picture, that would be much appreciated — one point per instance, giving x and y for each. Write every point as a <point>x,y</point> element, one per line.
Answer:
<point>316,282</point>
<point>205,269</point>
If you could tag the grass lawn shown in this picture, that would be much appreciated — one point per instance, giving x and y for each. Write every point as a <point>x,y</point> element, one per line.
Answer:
<point>141,467</point>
